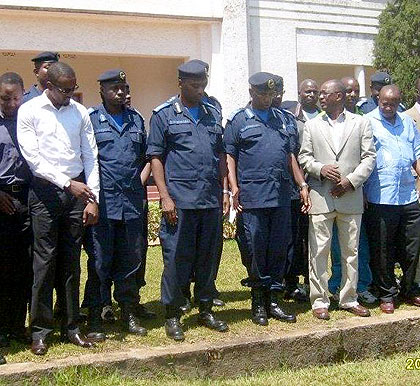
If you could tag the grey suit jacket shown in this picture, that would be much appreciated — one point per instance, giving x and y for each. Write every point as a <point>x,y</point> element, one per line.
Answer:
<point>355,159</point>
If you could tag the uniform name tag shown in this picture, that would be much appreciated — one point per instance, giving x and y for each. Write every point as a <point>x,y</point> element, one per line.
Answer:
<point>181,122</point>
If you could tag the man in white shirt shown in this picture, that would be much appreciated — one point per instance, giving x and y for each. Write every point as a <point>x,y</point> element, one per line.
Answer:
<point>56,139</point>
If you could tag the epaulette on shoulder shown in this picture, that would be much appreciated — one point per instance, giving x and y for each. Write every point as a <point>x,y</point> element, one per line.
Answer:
<point>134,110</point>
<point>162,106</point>
<point>360,103</point>
<point>91,110</point>
<point>234,114</point>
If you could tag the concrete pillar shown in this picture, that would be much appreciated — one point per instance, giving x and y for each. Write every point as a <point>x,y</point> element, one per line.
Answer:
<point>235,56</point>
<point>360,75</point>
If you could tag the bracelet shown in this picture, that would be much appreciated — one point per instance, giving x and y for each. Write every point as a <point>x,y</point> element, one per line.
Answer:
<point>303,185</point>
<point>226,191</point>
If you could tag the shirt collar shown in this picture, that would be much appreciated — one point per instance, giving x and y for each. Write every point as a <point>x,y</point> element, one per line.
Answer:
<point>417,106</point>
<point>46,101</point>
<point>340,119</point>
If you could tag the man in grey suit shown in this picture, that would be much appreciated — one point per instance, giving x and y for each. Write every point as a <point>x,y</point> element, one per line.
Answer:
<point>338,154</point>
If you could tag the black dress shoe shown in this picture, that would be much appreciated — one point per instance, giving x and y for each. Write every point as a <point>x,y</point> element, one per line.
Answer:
<point>131,322</point>
<point>218,303</point>
<point>186,308</point>
<point>143,313</point>
<point>207,319</point>
<point>277,313</point>
<point>297,295</point>
<point>39,347</point>
<point>94,325</point>
<point>80,340</point>
<point>174,330</point>
<point>2,360</point>
<point>4,340</point>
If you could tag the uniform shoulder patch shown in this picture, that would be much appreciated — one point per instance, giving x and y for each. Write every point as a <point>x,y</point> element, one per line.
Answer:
<point>162,106</point>
<point>234,114</point>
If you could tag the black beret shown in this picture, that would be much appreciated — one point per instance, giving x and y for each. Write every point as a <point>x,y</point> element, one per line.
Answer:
<point>46,56</point>
<point>278,80</point>
<point>381,77</point>
<point>193,69</point>
<point>263,81</point>
<point>114,76</point>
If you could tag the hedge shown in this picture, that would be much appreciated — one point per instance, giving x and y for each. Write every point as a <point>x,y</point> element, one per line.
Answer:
<point>155,215</point>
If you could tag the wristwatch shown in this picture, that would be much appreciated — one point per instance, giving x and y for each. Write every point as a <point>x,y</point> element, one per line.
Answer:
<point>302,185</point>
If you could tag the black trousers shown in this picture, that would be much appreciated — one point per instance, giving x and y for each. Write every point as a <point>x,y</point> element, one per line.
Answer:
<point>297,253</point>
<point>394,236</point>
<point>15,265</point>
<point>57,227</point>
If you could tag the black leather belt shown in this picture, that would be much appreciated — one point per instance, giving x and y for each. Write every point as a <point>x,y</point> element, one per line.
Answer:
<point>14,188</point>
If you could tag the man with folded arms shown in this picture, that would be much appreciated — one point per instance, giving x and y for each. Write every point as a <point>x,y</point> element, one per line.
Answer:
<point>56,138</point>
<point>338,154</point>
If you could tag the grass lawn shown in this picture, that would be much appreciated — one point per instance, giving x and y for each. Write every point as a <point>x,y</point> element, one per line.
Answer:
<point>390,371</point>
<point>236,313</point>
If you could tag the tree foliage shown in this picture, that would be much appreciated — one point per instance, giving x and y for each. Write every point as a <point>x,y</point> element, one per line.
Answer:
<point>397,45</point>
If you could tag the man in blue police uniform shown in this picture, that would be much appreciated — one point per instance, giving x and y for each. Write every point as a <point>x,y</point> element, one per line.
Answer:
<point>299,220</point>
<point>117,238</point>
<point>377,81</point>
<point>259,152</point>
<point>186,150</point>
<point>42,62</point>
<point>15,225</point>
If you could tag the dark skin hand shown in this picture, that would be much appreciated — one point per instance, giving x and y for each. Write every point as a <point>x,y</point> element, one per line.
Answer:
<point>81,191</point>
<point>91,214</point>
<point>6,203</point>
<point>342,187</point>
<point>330,172</point>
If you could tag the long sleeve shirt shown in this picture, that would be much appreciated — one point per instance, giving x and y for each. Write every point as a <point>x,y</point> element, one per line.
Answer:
<point>58,144</point>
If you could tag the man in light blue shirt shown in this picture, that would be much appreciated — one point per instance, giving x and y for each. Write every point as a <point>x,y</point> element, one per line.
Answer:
<point>393,214</point>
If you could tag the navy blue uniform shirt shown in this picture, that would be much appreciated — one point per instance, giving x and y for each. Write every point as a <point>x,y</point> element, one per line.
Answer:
<point>31,93</point>
<point>190,152</point>
<point>262,152</point>
<point>13,167</point>
<point>122,157</point>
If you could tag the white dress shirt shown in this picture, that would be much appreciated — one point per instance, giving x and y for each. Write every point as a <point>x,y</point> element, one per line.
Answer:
<point>58,145</point>
<point>417,104</point>
<point>337,129</point>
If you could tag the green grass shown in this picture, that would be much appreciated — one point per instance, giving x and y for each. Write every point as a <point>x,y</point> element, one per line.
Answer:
<point>384,371</point>
<point>236,313</point>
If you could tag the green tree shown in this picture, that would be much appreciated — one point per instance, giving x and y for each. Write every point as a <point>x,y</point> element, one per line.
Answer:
<point>397,45</point>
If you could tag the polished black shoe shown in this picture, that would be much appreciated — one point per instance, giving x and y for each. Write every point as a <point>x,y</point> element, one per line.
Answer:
<point>258,309</point>
<point>218,303</point>
<point>2,360</point>
<point>143,313</point>
<point>297,295</point>
<point>39,347</point>
<point>4,340</point>
<point>276,312</point>
<point>174,330</point>
<point>207,319</point>
<point>131,322</point>
<point>94,324</point>
<point>186,308</point>
<point>80,340</point>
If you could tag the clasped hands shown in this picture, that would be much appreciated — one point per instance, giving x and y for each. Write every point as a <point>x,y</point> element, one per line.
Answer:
<point>341,185</point>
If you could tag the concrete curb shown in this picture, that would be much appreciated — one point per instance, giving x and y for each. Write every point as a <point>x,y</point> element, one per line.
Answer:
<point>351,339</point>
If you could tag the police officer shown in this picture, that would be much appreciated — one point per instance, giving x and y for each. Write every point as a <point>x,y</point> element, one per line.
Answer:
<point>15,225</point>
<point>299,221</point>
<point>185,146</point>
<point>377,81</point>
<point>117,238</point>
<point>42,62</point>
<point>259,151</point>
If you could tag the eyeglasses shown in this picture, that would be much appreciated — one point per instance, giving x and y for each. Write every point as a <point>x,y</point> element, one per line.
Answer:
<point>327,94</point>
<point>66,91</point>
